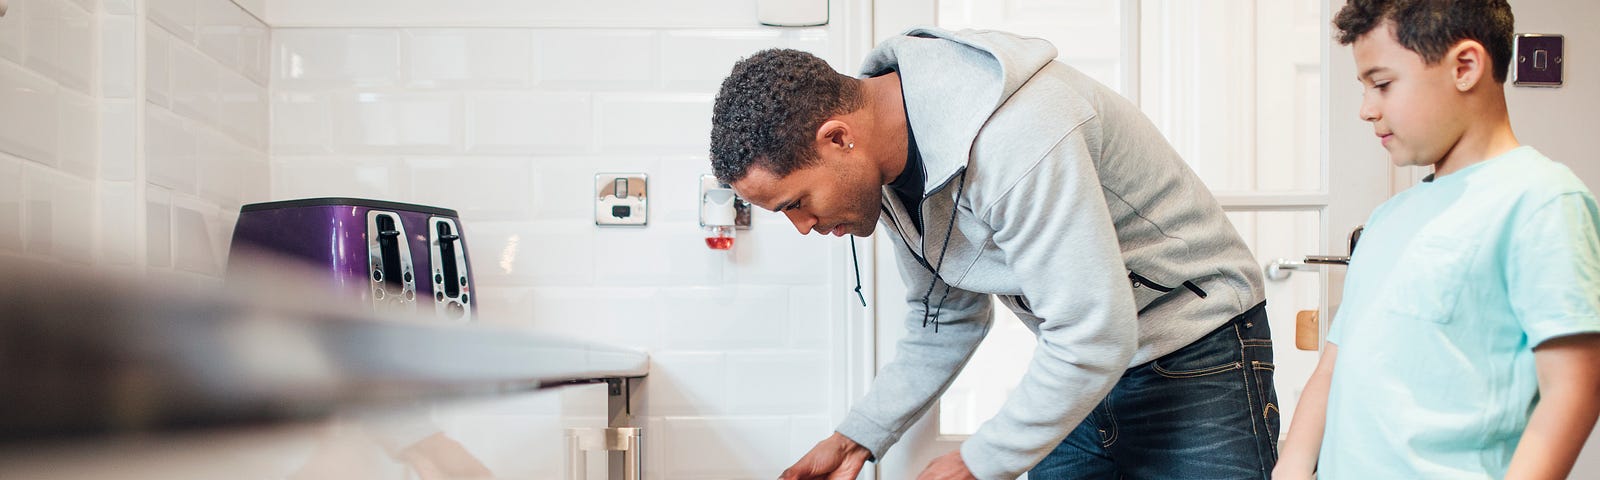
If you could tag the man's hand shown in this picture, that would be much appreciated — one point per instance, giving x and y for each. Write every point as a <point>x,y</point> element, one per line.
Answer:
<point>834,458</point>
<point>947,467</point>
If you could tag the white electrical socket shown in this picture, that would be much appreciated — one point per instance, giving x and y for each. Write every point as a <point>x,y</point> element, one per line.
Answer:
<point>621,199</point>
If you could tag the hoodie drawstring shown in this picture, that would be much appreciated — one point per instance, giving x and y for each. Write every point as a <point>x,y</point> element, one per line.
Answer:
<point>961,184</point>
<point>857,263</point>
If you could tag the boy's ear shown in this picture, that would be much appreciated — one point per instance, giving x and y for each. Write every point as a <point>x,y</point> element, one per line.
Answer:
<point>1469,62</point>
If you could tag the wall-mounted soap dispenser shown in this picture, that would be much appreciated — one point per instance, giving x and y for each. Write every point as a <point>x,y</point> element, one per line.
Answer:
<point>722,212</point>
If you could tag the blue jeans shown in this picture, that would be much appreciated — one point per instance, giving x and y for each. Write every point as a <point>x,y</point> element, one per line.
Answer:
<point>1207,411</point>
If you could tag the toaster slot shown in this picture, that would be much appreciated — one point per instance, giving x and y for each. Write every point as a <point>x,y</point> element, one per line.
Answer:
<point>389,250</point>
<point>394,287</point>
<point>447,252</point>
<point>450,287</point>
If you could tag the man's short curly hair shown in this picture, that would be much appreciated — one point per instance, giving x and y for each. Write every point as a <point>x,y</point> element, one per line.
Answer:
<point>1431,27</point>
<point>769,108</point>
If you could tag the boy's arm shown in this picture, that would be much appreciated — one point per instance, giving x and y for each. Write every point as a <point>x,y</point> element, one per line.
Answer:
<point>1301,447</point>
<point>1569,400</point>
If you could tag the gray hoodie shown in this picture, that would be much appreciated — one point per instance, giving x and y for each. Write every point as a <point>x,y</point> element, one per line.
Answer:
<point>1068,205</point>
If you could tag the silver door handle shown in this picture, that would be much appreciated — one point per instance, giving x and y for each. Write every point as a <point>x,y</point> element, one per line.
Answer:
<point>1280,269</point>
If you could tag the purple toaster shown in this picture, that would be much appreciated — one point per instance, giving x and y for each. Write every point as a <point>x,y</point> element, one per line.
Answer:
<point>384,254</point>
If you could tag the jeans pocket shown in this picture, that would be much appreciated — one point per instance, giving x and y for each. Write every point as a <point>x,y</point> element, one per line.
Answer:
<point>1212,354</point>
<point>1268,400</point>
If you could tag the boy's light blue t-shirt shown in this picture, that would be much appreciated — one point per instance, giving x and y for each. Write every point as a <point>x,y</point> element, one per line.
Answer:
<point>1453,283</point>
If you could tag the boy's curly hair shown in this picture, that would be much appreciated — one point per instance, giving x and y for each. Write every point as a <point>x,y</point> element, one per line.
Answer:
<point>1430,27</point>
<point>769,108</point>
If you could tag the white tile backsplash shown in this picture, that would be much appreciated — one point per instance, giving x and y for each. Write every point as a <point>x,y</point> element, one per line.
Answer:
<point>118,130</point>
<point>195,80</point>
<point>776,383</point>
<point>170,151</point>
<point>551,253</point>
<point>301,123</point>
<point>119,48</point>
<point>14,32</point>
<point>725,447</point>
<point>396,123</point>
<point>727,318</point>
<point>688,383</point>
<point>481,189</point>
<point>305,177</point>
<point>28,115</point>
<point>158,227</point>
<point>61,43</point>
<point>334,58</point>
<point>46,22</point>
<point>176,16</point>
<point>77,132</point>
<point>470,58</point>
<point>218,29</point>
<point>119,220</point>
<point>698,60</point>
<point>529,123</point>
<point>633,256</point>
<point>78,187</point>
<point>59,213</point>
<point>596,60</point>
<point>655,123</point>
<point>158,65</point>
<point>191,238</point>
<point>242,109</point>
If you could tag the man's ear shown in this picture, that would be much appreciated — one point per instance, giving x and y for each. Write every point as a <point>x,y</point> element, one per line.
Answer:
<point>834,133</point>
<point>1469,63</point>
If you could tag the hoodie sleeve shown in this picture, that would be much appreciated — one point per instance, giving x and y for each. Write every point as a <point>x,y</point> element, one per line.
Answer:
<point>1057,235</point>
<point>925,361</point>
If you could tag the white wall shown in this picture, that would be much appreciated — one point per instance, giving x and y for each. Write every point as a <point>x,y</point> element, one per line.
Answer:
<point>69,81</point>
<point>508,125</point>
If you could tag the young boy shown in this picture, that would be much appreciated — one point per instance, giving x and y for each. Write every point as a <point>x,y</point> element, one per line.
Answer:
<point>1466,345</point>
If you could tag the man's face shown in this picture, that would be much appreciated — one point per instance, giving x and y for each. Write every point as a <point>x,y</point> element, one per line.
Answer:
<point>838,194</point>
<point>1413,106</point>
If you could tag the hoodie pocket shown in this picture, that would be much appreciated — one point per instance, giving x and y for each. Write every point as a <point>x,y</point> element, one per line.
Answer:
<point>1145,291</point>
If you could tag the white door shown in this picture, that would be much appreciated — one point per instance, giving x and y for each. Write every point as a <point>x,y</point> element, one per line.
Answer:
<point>1257,101</point>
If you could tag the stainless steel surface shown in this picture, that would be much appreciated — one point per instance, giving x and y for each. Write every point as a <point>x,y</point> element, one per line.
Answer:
<point>624,446</point>
<point>621,199</point>
<point>85,354</point>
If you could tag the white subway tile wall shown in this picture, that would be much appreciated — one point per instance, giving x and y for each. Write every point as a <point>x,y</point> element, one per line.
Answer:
<point>206,124</point>
<point>78,187</point>
<point>509,126</point>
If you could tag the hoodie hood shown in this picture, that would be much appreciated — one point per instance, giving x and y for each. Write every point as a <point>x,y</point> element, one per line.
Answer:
<point>991,65</point>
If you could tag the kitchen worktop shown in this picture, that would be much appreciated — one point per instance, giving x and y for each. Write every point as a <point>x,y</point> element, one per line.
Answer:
<point>87,355</point>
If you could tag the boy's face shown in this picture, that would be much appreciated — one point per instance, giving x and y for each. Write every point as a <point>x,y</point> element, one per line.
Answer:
<point>836,195</point>
<point>1413,106</point>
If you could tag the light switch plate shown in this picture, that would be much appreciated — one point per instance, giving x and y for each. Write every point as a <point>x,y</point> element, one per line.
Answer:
<point>1538,59</point>
<point>621,199</point>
